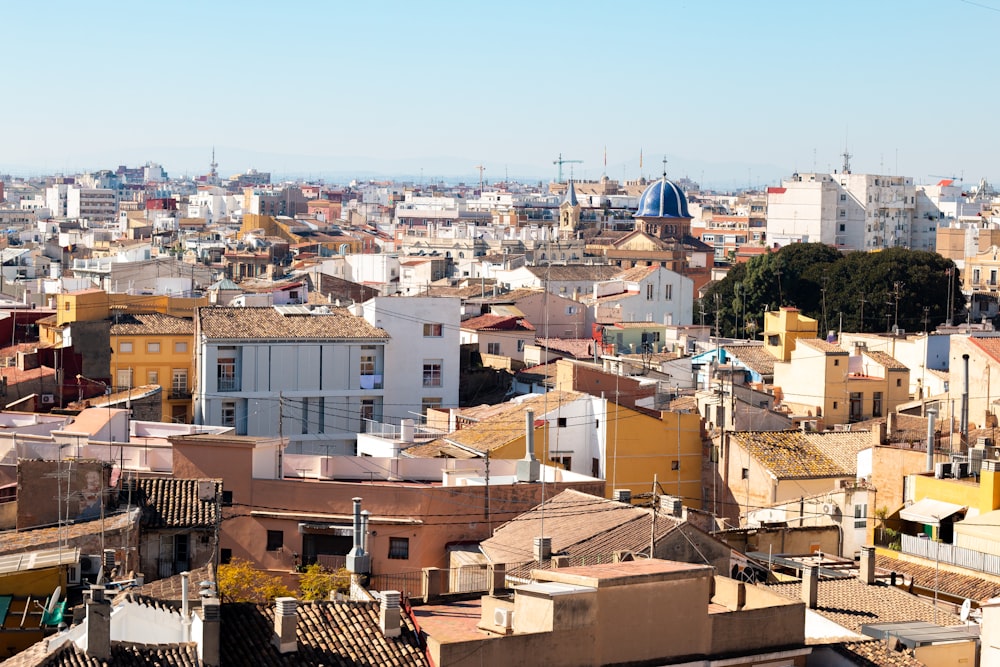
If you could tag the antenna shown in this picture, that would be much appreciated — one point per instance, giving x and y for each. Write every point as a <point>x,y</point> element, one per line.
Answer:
<point>964,615</point>
<point>481,169</point>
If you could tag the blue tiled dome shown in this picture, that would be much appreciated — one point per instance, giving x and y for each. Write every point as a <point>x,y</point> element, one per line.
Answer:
<point>663,199</point>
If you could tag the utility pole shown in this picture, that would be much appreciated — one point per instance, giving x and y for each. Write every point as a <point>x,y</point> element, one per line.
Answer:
<point>861,326</point>
<point>896,287</point>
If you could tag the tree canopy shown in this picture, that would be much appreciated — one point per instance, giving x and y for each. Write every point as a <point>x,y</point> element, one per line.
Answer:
<point>873,291</point>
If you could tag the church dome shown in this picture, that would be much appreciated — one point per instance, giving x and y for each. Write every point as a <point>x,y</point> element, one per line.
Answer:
<point>663,199</point>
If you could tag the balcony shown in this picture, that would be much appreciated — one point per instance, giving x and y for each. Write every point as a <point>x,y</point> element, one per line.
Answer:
<point>371,381</point>
<point>229,384</point>
<point>178,393</point>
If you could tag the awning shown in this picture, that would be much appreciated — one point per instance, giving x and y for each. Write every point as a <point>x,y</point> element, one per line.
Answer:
<point>930,511</point>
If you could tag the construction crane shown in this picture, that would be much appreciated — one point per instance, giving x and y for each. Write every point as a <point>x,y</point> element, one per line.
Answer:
<point>950,178</point>
<point>481,169</point>
<point>561,162</point>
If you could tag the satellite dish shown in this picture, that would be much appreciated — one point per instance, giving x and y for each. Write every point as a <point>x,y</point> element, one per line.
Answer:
<point>100,576</point>
<point>54,600</point>
<point>964,615</point>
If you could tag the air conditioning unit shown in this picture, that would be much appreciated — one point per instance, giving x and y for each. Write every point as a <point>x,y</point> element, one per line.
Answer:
<point>829,509</point>
<point>942,470</point>
<point>90,566</point>
<point>503,618</point>
<point>48,399</point>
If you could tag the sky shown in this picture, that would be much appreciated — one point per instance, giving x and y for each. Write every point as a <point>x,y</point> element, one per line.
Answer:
<point>732,93</point>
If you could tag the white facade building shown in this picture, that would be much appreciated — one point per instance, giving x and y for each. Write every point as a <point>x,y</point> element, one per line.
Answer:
<point>422,353</point>
<point>91,203</point>
<point>849,211</point>
<point>312,376</point>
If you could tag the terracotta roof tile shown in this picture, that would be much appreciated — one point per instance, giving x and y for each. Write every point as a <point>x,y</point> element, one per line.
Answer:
<point>842,446</point>
<point>41,538</point>
<point>174,503</point>
<point>756,357</point>
<point>575,272</point>
<point>328,633</point>
<point>148,324</point>
<point>578,348</point>
<point>822,346</point>
<point>851,603</point>
<point>268,323</point>
<point>122,655</point>
<point>874,654</point>
<point>952,583</point>
<point>789,454</point>
<point>492,322</point>
<point>990,345</point>
<point>887,360</point>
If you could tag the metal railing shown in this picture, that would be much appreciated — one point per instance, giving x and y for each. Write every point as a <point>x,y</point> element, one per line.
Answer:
<point>409,584</point>
<point>950,554</point>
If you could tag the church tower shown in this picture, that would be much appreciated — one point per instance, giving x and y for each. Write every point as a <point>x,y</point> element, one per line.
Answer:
<point>569,213</point>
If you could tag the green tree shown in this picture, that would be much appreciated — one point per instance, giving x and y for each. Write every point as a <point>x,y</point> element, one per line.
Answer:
<point>317,582</point>
<point>240,581</point>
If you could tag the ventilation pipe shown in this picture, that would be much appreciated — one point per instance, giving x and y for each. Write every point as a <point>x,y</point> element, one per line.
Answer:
<point>930,439</point>
<point>810,585</point>
<point>357,560</point>
<point>964,426</point>
<point>528,468</point>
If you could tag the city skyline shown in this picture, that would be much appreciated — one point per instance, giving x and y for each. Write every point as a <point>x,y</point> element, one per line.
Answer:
<point>732,94</point>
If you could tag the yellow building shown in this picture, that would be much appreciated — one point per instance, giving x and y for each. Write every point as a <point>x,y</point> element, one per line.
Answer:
<point>783,328</point>
<point>155,349</point>
<point>629,449</point>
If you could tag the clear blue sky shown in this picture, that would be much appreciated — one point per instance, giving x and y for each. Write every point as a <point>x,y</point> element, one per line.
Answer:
<point>741,90</point>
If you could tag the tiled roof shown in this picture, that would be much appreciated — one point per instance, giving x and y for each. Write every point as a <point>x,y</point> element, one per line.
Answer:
<point>951,583</point>
<point>122,655</point>
<point>174,503</point>
<point>756,357</point>
<point>328,633</point>
<point>169,589</point>
<point>570,517</point>
<point>491,322</point>
<point>40,538</point>
<point>147,324</point>
<point>905,428</point>
<point>789,455</point>
<point>636,273</point>
<point>851,603</point>
<point>497,425</point>
<point>268,323</point>
<point>842,446</point>
<point>575,272</point>
<point>578,348</point>
<point>822,346</point>
<point>874,654</point>
<point>886,360</point>
<point>684,404</point>
<point>991,346</point>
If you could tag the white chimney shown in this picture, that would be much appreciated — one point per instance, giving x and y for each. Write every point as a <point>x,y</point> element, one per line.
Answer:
<point>388,614</point>
<point>285,618</point>
<point>209,647</point>
<point>357,560</point>
<point>867,573</point>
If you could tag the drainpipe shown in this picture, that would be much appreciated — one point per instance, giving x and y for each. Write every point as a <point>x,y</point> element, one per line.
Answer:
<point>964,425</point>
<point>930,439</point>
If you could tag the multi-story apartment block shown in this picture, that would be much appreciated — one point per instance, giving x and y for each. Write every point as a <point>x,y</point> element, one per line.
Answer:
<point>155,349</point>
<point>849,211</point>
<point>311,376</point>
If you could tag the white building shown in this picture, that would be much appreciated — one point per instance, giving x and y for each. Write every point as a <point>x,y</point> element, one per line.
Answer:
<point>91,203</point>
<point>849,211</point>
<point>422,352</point>
<point>643,294</point>
<point>378,271</point>
<point>312,376</point>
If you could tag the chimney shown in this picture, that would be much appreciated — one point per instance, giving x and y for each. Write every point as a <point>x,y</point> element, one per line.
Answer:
<point>810,585</point>
<point>357,559</point>
<point>388,614</point>
<point>284,625</point>
<point>931,413</point>
<point>543,548</point>
<point>406,430</point>
<point>528,468</point>
<point>672,505</point>
<point>98,625</point>
<point>211,619</point>
<point>964,424</point>
<point>867,573</point>
<point>890,424</point>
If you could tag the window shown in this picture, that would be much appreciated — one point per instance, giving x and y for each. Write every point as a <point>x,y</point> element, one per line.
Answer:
<point>835,405</point>
<point>561,422</point>
<point>432,373</point>
<point>745,473</point>
<point>675,465</point>
<point>520,345</point>
<point>275,540</point>
<point>565,461</point>
<point>124,379</point>
<point>226,370</point>
<point>899,382</point>
<point>843,197</point>
<point>493,348</point>
<point>152,348</point>
<point>429,403</point>
<point>399,548</point>
<point>181,548</point>
<point>836,362</point>
<point>843,213</point>
<point>668,292</point>
<point>649,292</point>
<point>227,498</point>
<point>860,515</point>
<point>843,227</point>
<point>125,348</point>
<point>229,413</point>
<point>432,330</point>
<point>225,556</point>
<point>367,412</point>
<point>179,381</point>
<point>877,404</point>
<point>571,310</point>
<point>180,347</point>
<point>152,377</point>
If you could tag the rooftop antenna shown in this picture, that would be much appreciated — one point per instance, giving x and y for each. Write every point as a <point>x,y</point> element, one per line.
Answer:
<point>846,168</point>
<point>481,169</point>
